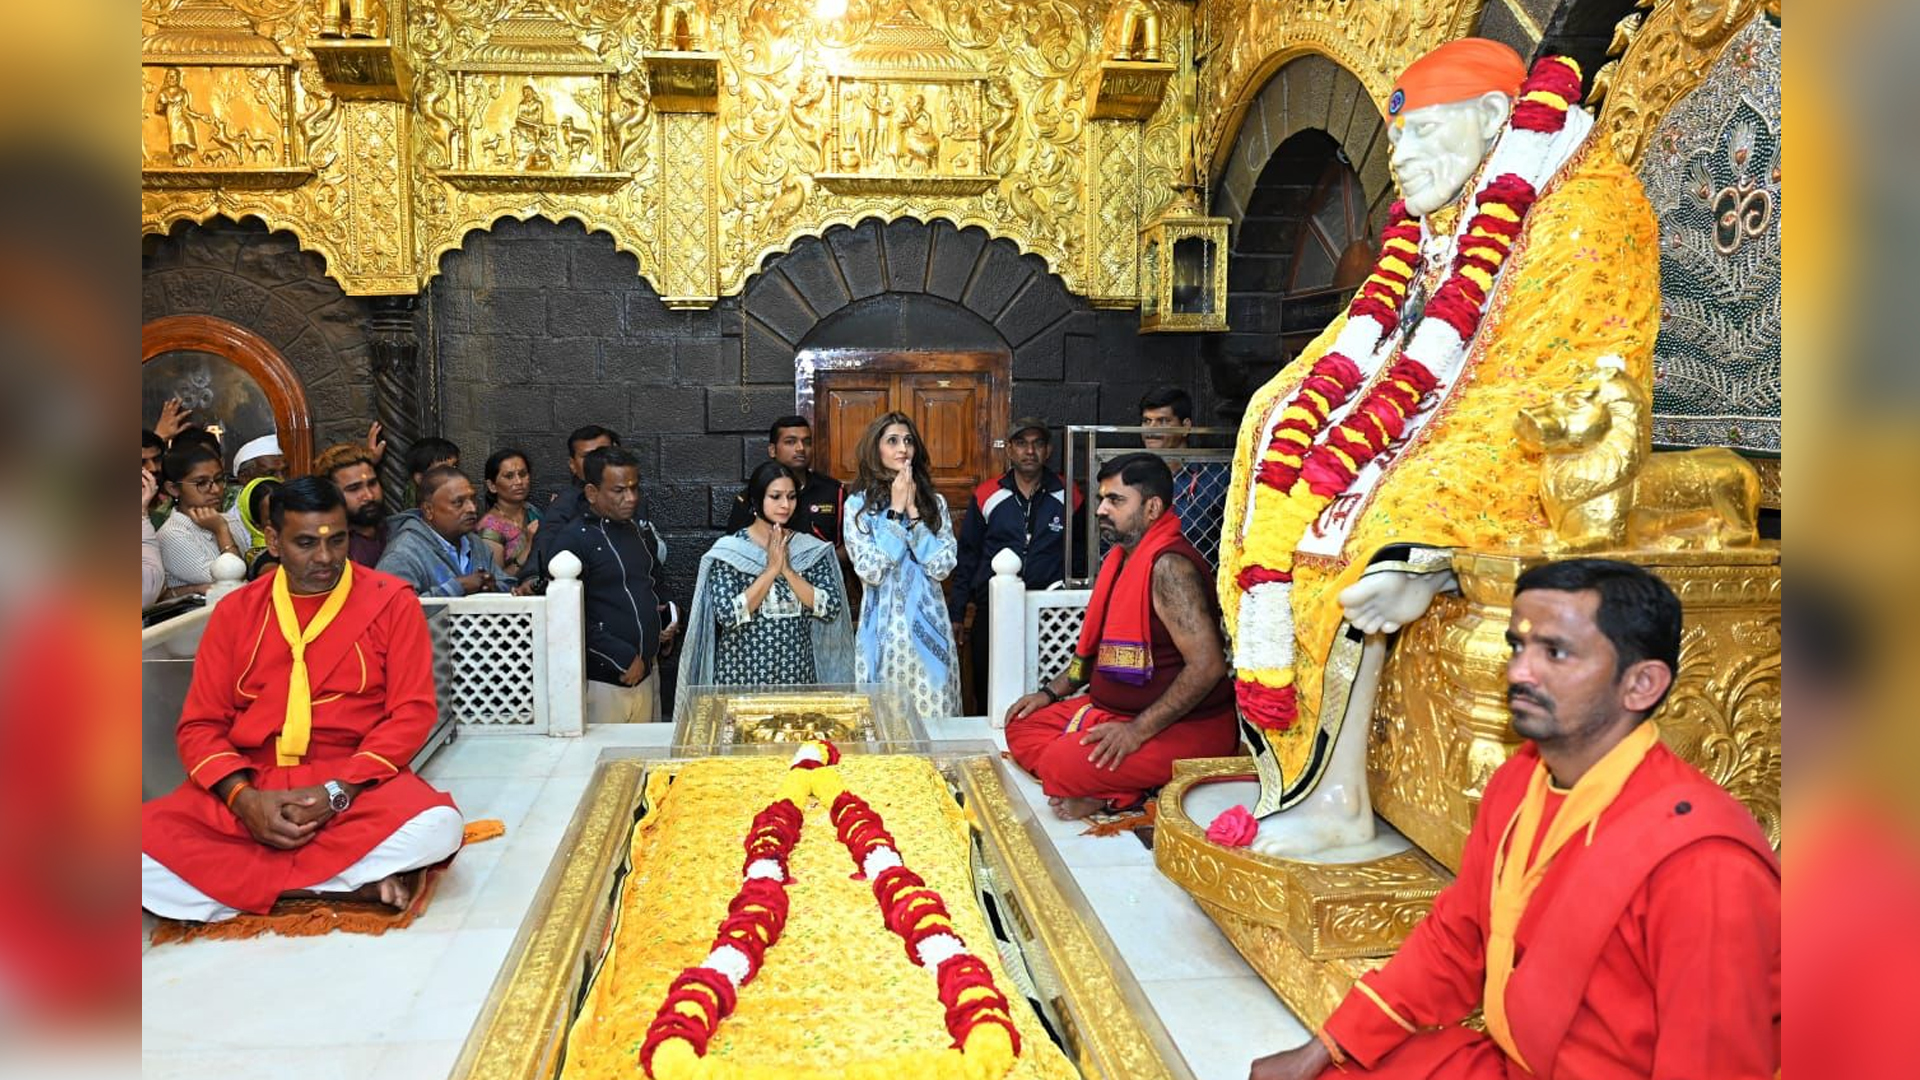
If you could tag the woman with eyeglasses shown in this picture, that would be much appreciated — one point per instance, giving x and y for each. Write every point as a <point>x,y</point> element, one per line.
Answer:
<point>197,532</point>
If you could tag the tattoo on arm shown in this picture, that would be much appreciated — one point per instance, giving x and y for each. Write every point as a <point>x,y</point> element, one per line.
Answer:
<point>1180,599</point>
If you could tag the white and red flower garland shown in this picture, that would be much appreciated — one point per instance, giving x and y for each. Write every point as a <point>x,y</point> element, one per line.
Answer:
<point>1301,470</point>
<point>978,1017</point>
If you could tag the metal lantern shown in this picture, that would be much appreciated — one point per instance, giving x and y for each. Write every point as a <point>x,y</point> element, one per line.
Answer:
<point>1183,267</point>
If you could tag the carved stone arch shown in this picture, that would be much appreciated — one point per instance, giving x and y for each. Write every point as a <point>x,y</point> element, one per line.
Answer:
<point>252,354</point>
<point>153,229</point>
<point>1307,168</point>
<point>1026,304</point>
<point>1307,92</point>
<point>436,259</point>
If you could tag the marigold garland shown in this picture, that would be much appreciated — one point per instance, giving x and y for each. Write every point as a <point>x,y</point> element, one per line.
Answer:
<point>978,1017</point>
<point>1305,466</point>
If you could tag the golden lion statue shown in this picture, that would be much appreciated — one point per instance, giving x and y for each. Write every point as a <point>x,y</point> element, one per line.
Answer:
<point>1605,489</point>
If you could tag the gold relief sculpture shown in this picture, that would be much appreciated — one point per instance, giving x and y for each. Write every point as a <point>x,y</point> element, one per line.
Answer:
<point>1604,488</point>
<point>218,103</point>
<point>884,139</point>
<point>531,104</point>
<point>352,18</point>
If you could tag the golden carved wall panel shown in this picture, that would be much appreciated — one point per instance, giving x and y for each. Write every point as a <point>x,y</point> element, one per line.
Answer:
<point>1661,56</point>
<point>972,111</point>
<point>1243,42</point>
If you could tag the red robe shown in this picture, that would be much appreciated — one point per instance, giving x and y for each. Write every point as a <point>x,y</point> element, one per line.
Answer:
<point>373,705</point>
<point>1046,742</point>
<point>1652,952</point>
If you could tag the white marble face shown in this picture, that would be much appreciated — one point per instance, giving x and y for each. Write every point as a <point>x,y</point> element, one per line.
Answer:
<point>1436,148</point>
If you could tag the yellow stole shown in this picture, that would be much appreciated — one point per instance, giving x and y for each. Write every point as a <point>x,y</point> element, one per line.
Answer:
<point>1515,879</point>
<point>298,728</point>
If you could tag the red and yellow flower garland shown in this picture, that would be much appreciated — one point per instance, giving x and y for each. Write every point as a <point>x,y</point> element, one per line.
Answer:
<point>978,1017</point>
<point>1300,473</point>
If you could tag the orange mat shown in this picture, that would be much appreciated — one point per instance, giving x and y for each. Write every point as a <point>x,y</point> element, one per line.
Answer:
<point>307,918</point>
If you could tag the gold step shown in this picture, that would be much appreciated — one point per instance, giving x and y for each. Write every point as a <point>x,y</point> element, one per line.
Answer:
<point>1327,911</point>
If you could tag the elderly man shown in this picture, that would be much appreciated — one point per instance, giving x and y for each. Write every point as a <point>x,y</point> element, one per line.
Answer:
<point>434,550</point>
<point>1149,653</point>
<point>257,459</point>
<point>1022,511</point>
<point>1644,900</point>
<point>312,691</point>
<point>1520,253</point>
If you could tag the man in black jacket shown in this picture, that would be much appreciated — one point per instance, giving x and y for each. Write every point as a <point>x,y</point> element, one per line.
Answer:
<point>628,621</point>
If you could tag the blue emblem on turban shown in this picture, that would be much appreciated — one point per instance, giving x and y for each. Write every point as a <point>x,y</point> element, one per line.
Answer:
<point>1397,102</point>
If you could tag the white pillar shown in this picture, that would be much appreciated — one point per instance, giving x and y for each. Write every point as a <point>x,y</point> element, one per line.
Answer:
<point>566,647</point>
<point>1007,648</point>
<point>229,573</point>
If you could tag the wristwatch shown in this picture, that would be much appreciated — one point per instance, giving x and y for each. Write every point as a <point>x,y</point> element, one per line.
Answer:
<point>1047,689</point>
<point>337,797</point>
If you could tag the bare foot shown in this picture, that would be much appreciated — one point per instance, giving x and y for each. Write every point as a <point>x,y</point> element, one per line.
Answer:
<point>1075,809</point>
<point>397,891</point>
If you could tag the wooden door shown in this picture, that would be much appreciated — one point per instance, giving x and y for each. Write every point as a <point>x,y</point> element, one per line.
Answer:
<point>959,401</point>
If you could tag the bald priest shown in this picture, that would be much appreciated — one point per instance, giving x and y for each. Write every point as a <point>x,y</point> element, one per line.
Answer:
<point>312,691</point>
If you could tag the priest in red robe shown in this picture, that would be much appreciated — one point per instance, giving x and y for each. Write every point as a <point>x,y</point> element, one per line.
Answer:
<point>312,690</point>
<point>1150,655</point>
<point>1616,915</point>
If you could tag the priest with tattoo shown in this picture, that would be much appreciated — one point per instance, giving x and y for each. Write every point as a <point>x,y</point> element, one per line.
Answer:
<point>1150,657</point>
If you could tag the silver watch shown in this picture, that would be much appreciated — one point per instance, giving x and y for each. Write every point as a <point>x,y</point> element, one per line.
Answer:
<point>337,797</point>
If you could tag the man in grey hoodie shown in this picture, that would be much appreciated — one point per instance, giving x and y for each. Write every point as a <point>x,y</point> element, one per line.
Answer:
<point>433,548</point>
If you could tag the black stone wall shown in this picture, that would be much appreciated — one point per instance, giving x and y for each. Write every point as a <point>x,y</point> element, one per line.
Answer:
<point>539,327</point>
<point>261,280</point>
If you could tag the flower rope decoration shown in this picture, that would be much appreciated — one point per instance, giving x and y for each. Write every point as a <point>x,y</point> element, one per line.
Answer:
<point>979,1018</point>
<point>1305,466</point>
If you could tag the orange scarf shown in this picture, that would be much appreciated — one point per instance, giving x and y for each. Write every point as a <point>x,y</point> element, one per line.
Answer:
<point>1515,879</point>
<point>298,728</point>
<point>1117,637</point>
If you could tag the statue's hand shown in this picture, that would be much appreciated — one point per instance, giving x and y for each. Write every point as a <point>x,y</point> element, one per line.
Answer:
<point>1383,602</point>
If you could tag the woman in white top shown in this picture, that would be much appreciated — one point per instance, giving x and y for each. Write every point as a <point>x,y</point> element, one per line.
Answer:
<point>196,533</point>
<point>902,546</point>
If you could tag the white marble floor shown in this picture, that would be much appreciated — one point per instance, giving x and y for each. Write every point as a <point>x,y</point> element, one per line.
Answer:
<point>399,1006</point>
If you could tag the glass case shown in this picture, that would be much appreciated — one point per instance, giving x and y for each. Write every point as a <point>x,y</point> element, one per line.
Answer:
<point>723,720</point>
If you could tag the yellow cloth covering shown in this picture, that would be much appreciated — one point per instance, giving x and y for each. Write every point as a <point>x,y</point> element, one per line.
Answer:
<point>1583,282</point>
<point>837,988</point>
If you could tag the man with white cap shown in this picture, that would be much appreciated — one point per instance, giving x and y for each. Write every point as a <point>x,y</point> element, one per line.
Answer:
<point>257,459</point>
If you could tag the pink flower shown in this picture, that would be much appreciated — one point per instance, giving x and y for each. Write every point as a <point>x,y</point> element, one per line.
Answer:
<point>1233,828</point>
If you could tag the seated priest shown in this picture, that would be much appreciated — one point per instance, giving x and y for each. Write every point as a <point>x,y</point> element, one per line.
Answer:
<point>1617,913</point>
<point>312,690</point>
<point>1150,655</point>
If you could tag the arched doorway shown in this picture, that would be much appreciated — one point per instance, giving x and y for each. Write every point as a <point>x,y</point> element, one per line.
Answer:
<point>1305,185</point>
<point>1304,245</point>
<point>231,378</point>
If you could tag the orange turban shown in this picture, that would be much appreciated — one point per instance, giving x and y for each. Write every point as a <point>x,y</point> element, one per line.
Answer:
<point>1456,71</point>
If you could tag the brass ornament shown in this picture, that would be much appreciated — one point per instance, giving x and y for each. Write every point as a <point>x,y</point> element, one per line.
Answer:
<point>1603,487</point>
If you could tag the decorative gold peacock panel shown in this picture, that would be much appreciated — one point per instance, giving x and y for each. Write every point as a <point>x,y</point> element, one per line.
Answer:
<point>1241,43</point>
<point>701,135</point>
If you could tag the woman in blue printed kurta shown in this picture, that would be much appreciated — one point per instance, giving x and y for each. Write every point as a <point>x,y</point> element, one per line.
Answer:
<point>902,546</point>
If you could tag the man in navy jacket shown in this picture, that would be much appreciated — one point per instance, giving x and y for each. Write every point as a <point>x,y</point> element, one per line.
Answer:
<point>1025,510</point>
